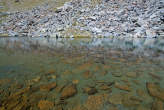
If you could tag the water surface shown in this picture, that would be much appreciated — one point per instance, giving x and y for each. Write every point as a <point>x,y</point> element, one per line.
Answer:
<point>81,74</point>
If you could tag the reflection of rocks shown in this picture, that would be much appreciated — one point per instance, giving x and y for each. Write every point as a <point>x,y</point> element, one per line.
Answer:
<point>48,87</point>
<point>155,91</point>
<point>69,91</point>
<point>45,105</point>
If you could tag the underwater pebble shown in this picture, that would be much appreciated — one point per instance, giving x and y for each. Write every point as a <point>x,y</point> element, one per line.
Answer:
<point>48,87</point>
<point>69,91</point>
<point>45,105</point>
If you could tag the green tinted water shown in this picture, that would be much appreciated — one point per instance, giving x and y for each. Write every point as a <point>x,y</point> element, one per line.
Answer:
<point>88,74</point>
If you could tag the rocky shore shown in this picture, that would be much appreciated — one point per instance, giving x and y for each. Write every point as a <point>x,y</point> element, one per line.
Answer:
<point>89,18</point>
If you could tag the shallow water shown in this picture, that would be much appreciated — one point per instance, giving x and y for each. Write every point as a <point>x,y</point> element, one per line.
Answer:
<point>81,74</point>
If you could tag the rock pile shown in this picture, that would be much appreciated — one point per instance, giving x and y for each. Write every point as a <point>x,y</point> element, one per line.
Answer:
<point>129,18</point>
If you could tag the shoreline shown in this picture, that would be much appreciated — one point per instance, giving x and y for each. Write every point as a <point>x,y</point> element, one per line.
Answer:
<point>80,19</point>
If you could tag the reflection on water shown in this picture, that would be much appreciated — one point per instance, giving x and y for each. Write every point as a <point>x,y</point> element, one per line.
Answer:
<point>81,74</point>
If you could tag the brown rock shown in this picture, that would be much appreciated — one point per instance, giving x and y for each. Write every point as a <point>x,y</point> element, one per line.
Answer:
<point>45,105</point>
<point>48,87</point>
<point>69,91</point>
<point>155,91</point>
<point>90,91</point>
<point>122,87</point>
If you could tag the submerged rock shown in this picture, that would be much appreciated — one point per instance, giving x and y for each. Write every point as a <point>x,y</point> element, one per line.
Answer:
<point>90,90</point>
<point>48,87</point>
<point>155,91</point>
<point>45,105</point>
<point>69,91</point>
<point>122,86</point>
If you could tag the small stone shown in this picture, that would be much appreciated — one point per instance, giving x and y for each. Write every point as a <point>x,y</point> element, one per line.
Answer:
<point>122,87</point>
<point>45,105</point>
<point>48,87</point>
<point>69,91</point>
<point>90,91</point>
